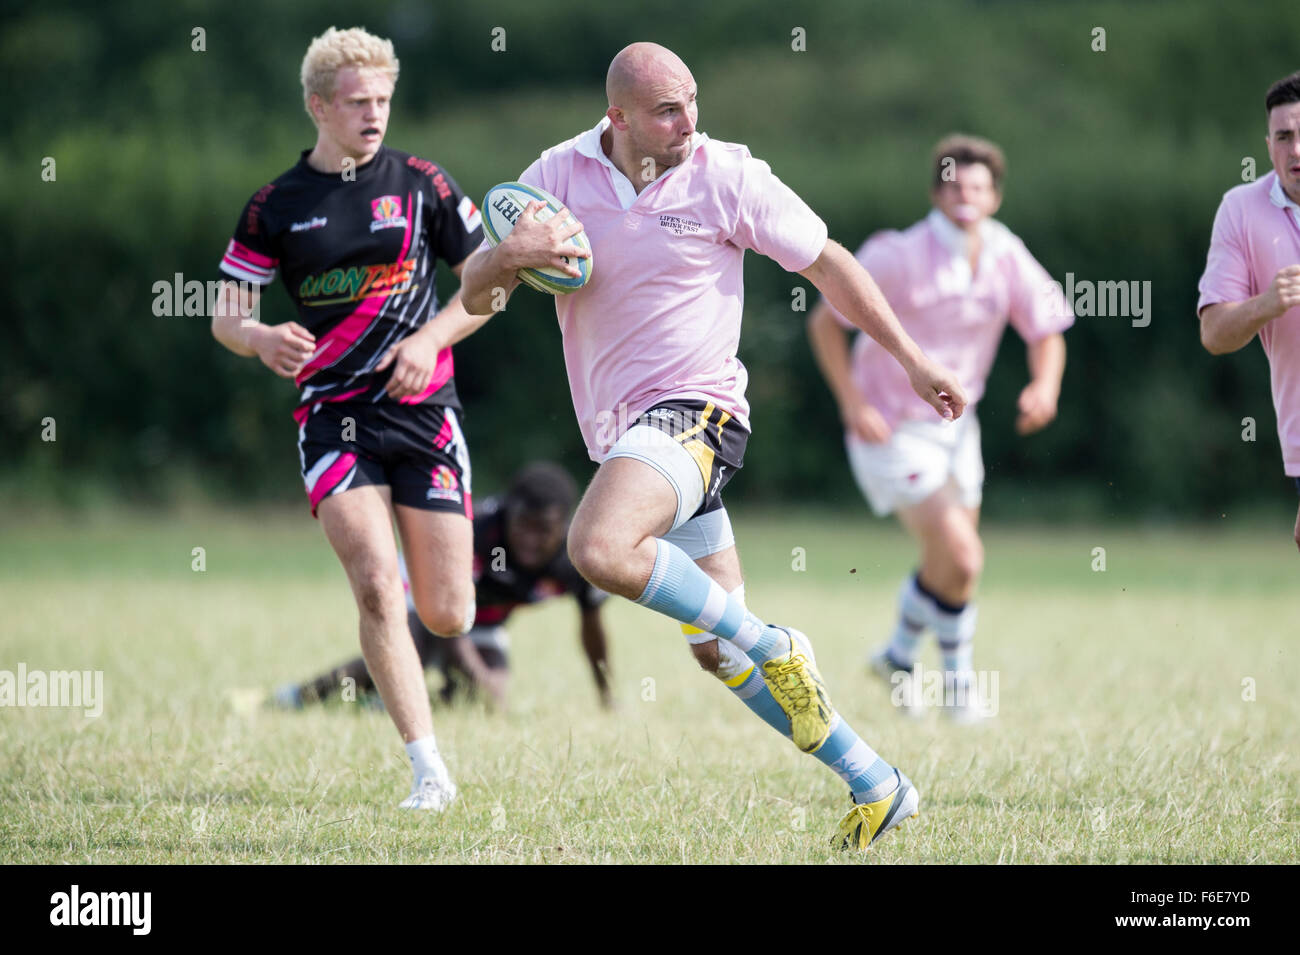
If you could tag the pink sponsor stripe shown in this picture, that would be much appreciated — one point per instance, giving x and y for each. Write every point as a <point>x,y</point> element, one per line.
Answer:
<point>249,256</point>
<point>469,506</point>
<point>345,334</point>
<point>327,481</point>
<point>442,372</point>
<point>244,266</point>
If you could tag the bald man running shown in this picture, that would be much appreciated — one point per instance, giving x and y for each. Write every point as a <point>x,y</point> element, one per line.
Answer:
<point>650,345</point>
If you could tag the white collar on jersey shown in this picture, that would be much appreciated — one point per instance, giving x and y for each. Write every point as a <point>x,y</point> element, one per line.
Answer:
<point>1277,195</point>
<point>992,235</point>
<point>954,238</point>
<point>589,145</point>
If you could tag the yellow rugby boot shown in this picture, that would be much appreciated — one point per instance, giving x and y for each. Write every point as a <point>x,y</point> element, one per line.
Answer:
<point>867,822</point>
<point>798,688</point>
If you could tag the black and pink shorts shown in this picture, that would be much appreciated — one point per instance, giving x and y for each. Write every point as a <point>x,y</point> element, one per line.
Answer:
<point>418,450</point>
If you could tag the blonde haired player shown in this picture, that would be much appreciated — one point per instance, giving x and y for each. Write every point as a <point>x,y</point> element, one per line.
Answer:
<point>650,347</point>
<point>954,279</point>
<point>356,228</point>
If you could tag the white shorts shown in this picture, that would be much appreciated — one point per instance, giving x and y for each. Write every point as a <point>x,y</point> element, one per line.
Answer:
<point>920,458</point>
<point>699,536</point>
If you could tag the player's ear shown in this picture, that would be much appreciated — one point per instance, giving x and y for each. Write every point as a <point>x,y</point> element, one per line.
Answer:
<point>317,107</point>
<point>997,201</point>
<point>617,117</point>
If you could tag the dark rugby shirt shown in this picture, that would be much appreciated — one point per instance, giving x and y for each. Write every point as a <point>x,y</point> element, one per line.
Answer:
<point>358,259</point>
<point>500,586</point>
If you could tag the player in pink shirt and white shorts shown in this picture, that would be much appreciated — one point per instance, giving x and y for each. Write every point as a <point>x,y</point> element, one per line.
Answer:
<point>954,279</point>
<point>1251,284</point>
<point>650,346</point>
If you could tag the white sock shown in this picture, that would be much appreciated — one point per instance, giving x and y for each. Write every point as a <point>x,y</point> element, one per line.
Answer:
<point>425,759</point>
<point>956,633</point>
<point>916,611</point>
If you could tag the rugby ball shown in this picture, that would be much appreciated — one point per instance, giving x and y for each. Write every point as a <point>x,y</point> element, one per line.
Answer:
<point>502,207</point>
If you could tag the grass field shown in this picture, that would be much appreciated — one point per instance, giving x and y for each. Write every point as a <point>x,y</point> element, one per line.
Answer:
<point>1146,713</point>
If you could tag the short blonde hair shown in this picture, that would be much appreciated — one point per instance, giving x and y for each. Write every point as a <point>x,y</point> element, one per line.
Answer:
<point>336,50</point>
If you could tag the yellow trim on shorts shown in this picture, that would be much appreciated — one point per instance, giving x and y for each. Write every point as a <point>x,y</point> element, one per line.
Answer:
<point>699,425</point>
<point>703,455</point>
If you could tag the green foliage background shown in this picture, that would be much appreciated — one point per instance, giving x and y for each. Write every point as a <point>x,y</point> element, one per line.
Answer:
<point>1117,161</point>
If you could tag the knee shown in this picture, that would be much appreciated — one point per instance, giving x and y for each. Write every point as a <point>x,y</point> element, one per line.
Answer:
<point>594,556</point>
<point>451,616</point>
<point>378,593</point>
<point>968,559</point>
<point>706,655</point>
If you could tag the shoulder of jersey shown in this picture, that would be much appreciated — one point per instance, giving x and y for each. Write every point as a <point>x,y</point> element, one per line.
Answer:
<point>569,145</point>
<point>881,236</point>
<point>720,149</point>
<point>1002,239</point>
<point>1263,184</point>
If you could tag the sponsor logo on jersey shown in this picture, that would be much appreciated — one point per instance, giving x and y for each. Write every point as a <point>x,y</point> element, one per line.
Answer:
<point>431,170</point>
<point>317,222</point>
<point>387,211</point>
<point>678,225</point>
<point>357,282</point>
<point>443,485</point>
<point>470,217</point>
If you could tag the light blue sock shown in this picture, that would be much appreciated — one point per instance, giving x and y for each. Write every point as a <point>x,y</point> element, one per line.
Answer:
<point>869,777</point>
<point>679,589</point>
<point>753,692</point>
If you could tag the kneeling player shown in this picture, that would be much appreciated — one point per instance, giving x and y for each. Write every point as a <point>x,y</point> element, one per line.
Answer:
<point>954,279</point>
<point>519,558</point>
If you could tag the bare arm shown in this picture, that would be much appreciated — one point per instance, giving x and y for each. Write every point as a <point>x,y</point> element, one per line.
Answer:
<point>490,276</point>
<point>830,347</point>
<point>1037,404</point>
<point>855,295</point>
<point>1229,326</point>
<point>488,282</point>
<point>282,348</point>
<point>595,646</point>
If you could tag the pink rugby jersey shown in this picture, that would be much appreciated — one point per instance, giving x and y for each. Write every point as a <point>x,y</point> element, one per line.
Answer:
<point>1257,233</point>
<point>957,318</point>
<point>660,318</point>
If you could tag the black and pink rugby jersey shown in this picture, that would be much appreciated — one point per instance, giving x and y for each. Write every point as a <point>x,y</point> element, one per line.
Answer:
<point>357,257</point>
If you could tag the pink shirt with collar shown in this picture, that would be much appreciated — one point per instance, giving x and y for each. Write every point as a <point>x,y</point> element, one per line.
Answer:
<point>1256,233</point>
<point>660,318</point>
<point>955,316</point>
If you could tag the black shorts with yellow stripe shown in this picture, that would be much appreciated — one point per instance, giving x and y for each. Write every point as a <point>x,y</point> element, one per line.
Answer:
<point>712,436</point>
